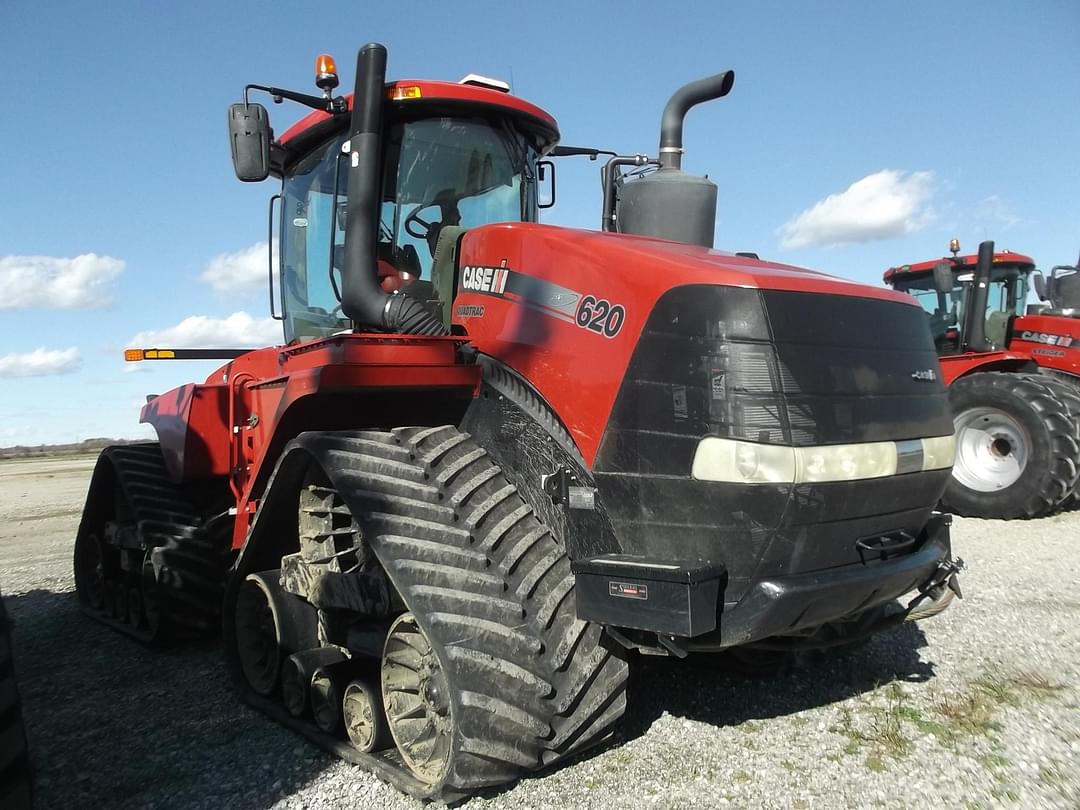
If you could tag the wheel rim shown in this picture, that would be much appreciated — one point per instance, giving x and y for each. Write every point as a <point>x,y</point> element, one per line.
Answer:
<point>257,638</point>
<point>360,714</point>
<point>992,450</point>
<point>90,572</point>
<point>325,703</point>
<point>417,699</point>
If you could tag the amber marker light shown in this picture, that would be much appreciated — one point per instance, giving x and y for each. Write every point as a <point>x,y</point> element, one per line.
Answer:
<point>133,355</point>
<point>406,92</point>
<point>326,78</point>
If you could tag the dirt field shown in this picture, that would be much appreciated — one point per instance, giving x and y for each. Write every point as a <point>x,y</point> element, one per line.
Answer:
<point>979,707</point>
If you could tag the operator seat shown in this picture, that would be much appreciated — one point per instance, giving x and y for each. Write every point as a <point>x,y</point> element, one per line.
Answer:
<point>443,265</point>
<point>997,328</point>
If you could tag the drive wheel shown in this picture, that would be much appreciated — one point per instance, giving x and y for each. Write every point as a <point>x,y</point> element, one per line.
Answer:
<point>417,698</point>
<point>1017,449</point>
<point>90,571</point>
<point>257,637</point>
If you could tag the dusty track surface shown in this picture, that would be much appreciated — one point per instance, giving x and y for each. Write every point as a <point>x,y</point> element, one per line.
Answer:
<point>979,707</point>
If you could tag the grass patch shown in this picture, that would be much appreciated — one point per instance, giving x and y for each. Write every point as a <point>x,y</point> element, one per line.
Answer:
<point>969,715</point>
<point>875,764</point>
<point>742,776</point>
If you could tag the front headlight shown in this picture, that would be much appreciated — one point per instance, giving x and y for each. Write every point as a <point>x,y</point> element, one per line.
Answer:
<point>738,462</point>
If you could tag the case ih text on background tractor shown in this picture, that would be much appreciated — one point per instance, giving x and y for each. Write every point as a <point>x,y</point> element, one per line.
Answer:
<point>1013,373</point>
<point>616,444</point>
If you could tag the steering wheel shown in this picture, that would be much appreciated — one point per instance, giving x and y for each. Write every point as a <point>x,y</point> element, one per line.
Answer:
<point>414,222</point>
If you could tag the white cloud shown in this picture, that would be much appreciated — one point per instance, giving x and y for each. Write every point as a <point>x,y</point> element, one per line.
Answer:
<point>238,331</point>
<point>993,212</point>
<point>241,272</point>
<point>51,282</point>
<point>879,206</point>
<point>39,363</point>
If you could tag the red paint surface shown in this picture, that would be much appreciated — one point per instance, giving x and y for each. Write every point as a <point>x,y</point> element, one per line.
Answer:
<point>438,91</point>
<point>236,423</point>
<point>577,371</point>
<point>961,263</point>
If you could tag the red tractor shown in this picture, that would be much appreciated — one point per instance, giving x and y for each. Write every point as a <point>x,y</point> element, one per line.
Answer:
<point>617,442</point>
<point>1013,373</point>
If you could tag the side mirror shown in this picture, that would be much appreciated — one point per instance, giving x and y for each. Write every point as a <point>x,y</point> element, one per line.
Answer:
<point>1038,281</point>
<point>943,277</point>
<point>249,140</point>
<point>545,180</point>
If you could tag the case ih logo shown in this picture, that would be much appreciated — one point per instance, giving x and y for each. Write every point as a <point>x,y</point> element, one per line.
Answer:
<point>484,279</point>
<point>924,375</point>
<point>1050,340</point>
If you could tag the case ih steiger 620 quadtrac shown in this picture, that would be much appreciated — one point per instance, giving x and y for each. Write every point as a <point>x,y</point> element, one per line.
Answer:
<point>618,442</point>
<point>1013,373</point>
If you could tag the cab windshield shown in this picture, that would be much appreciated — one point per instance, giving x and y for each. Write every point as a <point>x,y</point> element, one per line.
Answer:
<point>945,311</point>
<point>439,172</point>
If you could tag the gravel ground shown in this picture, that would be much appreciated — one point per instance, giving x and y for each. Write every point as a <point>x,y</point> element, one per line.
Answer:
<point>975,708</point>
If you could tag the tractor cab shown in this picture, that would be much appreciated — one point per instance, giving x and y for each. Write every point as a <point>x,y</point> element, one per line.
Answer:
<point>946,290</point>
<point>444,157</point>
<point>442,174</point>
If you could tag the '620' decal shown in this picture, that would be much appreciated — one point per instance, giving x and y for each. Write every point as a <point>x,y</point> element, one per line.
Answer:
<point>600,316</point>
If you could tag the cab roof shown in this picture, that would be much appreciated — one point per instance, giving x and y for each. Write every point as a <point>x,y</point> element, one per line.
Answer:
<point>318,125</point>
<point>959,263</point>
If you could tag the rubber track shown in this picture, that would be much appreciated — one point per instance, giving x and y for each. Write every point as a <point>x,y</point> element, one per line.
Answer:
<point>14,756</point>
<point>1042,394</point>
<point>191,558</point>
<point>492,590</point>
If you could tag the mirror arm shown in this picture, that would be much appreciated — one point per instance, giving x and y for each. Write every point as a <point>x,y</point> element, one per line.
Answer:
<point>335,106</point>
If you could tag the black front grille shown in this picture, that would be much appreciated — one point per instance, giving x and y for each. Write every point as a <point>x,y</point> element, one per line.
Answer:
<point>775,367</point>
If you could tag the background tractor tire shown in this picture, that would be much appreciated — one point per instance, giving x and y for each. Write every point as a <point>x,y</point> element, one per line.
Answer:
<point>1068,391</point>
<point>1017,446</point>
<point>14,757</point>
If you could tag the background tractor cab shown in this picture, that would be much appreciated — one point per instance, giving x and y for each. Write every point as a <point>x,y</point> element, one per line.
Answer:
<point>1062,291</point>
<point>1014,376</point>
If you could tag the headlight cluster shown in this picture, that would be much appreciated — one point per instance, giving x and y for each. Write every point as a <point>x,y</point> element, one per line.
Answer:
<point>739,462</point>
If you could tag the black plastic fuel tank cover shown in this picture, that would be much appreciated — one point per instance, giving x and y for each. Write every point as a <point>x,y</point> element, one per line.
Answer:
<point>674,597</point>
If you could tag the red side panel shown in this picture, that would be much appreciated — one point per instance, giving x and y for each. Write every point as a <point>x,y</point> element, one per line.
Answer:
<point>1053,340</point>
<point>960,364</point>
<point>565,307</point>
<point>192,424</point>
<point>236,423</point>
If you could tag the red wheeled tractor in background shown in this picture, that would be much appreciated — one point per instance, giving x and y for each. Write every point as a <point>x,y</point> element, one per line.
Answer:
<point>618,442</point>
<point>1013,373</point>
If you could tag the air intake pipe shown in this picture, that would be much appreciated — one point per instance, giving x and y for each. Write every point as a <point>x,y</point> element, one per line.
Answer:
<point>362,299</point>
<point>975,318</point>
<point>671,204</point>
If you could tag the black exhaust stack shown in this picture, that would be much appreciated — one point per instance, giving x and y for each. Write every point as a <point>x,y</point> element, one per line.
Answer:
<point>671,204</point>
<point>362,299</point>
<point>975,318</point>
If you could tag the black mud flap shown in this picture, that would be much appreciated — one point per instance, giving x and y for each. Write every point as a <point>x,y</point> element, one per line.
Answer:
<point>675,598</point>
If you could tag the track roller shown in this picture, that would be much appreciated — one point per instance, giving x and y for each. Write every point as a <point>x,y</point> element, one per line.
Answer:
<point>365,721</point>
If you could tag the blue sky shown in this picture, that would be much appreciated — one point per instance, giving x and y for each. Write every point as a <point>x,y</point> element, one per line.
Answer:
<point>922,120</point>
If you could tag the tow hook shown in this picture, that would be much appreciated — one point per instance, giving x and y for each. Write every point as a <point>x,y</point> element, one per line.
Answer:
<point>942,586</point>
